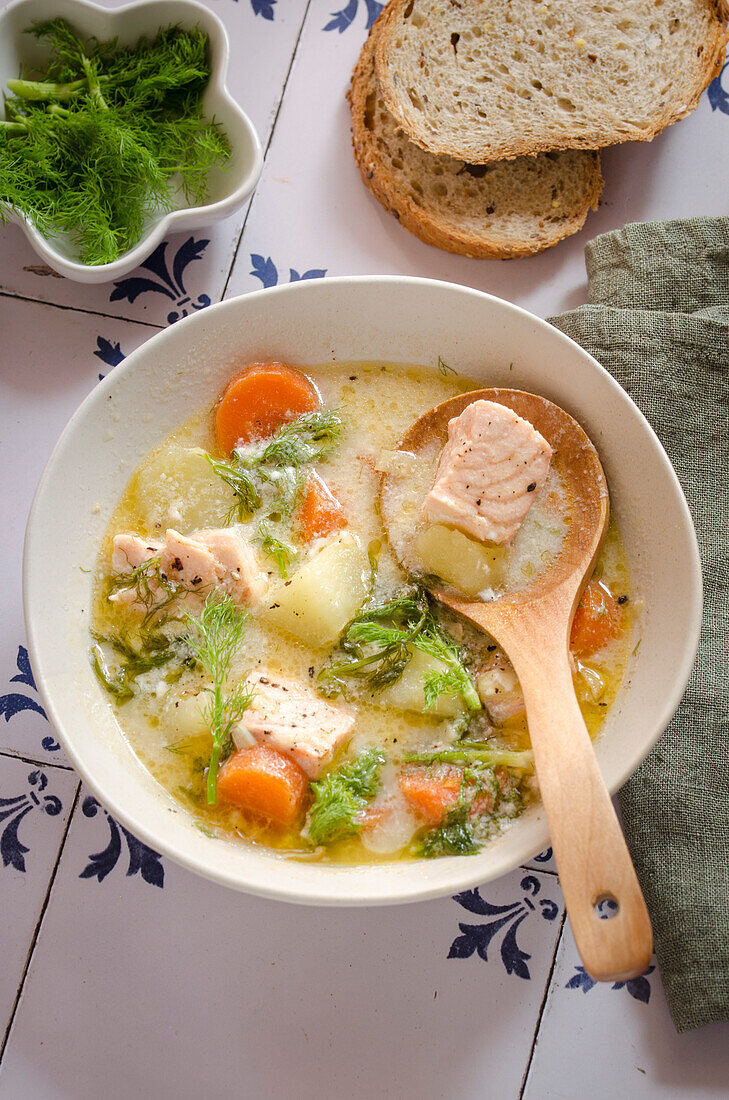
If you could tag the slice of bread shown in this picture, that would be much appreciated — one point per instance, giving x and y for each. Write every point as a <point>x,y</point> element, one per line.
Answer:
<point>503,210</point>
<point>492,79</point>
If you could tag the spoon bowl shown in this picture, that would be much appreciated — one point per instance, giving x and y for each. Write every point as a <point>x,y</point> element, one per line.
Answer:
<point>532,625</point>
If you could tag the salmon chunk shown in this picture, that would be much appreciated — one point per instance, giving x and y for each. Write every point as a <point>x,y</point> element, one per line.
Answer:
<point>289,717</point>
<point>499,689</point>
<point>130,551</point>
<point>200,563</point>
<point>489,473</point>
<point>236,564</point>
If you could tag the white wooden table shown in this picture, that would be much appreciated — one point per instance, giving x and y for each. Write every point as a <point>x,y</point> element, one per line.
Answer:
<point>123,975</point>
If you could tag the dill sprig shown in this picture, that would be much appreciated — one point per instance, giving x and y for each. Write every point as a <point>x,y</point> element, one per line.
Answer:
<point>106,136</point>
<point>214,638</point>
<point>242,484</point>
<point>378,645</point>
<point>152,588</point>
<point>455,836</point>
<point>341,795</point>
<point>307,439</point>
<point>282,552</point>
<point>270,473</point>
<point>376,641</point>
<point>154,651</point>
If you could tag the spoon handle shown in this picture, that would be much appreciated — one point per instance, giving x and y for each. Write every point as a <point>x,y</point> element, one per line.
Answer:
<point>589,848</point>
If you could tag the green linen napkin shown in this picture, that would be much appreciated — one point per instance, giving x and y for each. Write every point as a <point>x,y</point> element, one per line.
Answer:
<point>658,320</point>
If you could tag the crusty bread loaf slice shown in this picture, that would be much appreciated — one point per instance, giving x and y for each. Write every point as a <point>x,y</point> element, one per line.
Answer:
<point>492,79</point>
<point>511,208</point>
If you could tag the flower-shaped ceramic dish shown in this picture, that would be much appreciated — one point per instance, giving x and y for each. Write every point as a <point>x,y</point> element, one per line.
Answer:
<point>228,187</point>
<point>181,371</point>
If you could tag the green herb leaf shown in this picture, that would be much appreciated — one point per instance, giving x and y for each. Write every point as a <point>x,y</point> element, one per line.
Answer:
<point>242,484</point>
<point>214,639</point>
<point>341,795</point>
<point>309,438</point>
<point>282,553</point>
<point>152,589</point>
<point>474,753</point>
<point>453,837</point>
<point>379,641</point>
<point>118,685</point>
<point>269,473</point>
<point>131,135</point>
<point>155,651</point>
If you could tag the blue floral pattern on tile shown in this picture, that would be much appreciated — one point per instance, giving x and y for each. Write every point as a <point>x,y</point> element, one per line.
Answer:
<point>142,859</point>
<point>638,988</point>
<point>15,702</point>
<point>544,857</point>
<point>108,353</point>
<point>14,810</point>
<point>341,20</point>
<point>718,95</point>
<point>264,268</point>
<point>167,282</point>
<point>264,8</point>
<point>506,919</point>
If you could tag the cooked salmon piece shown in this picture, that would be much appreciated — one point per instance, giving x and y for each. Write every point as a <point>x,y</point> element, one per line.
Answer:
<point>499,689</point>
<point>189,561</point>
<point>241,575</point>
<point>289,717</point>
<point>208,559</point>
<point>489,472</point>
<point>130,551</point>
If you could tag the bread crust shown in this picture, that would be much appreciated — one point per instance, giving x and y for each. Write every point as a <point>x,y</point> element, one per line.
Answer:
<point>481,149</point>
<point>427,225</point>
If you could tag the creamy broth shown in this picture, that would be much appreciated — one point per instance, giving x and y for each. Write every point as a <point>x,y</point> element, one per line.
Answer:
<point>161,720</point>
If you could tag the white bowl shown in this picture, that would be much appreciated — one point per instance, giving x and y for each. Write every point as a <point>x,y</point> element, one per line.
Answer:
<point>407,320</point>
<point>228,187</point>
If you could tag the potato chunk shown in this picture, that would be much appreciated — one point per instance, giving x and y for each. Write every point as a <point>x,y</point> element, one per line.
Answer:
<point>406,693</point>
<point>321,598</point>
<point>178,488</point>
<point>184,713</point>
<point>468,565</point>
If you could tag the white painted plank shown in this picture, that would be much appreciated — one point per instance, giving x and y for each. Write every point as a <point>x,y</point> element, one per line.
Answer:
<point>193,990</point>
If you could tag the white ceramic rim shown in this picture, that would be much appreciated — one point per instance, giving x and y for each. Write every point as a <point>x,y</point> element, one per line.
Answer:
<point>191,217</point>
<point>452,875</point>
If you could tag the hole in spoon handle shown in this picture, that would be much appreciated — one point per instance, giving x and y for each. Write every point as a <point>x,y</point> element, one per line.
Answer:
<point>611,925</point>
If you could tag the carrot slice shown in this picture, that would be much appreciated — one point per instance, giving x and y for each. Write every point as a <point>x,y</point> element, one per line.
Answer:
<point>320,513</point>
<point>433,792</point>
<point>259,400</point>
<point>597,620</point>
<point>264,782</point>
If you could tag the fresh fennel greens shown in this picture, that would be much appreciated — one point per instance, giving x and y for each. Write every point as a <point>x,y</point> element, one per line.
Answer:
<point>153,590</point>
<point>378,644</point>
<point>475,753</point>
<point>270,474</point>
<point>282,552</point>
<point>155,651</point>
<point>341,795</point>
<point>214,639</point>
<point>106,137</point>
<point>454,836</point>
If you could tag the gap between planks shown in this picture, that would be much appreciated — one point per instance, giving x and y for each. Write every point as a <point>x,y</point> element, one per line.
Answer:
<point>35,761</point>
<point>78,309</point>
<point>543,1005</point>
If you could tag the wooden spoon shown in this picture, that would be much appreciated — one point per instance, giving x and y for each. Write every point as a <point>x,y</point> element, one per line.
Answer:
<point>533,627</point>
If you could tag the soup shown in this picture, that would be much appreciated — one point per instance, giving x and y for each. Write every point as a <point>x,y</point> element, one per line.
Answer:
<point>275,667</point>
